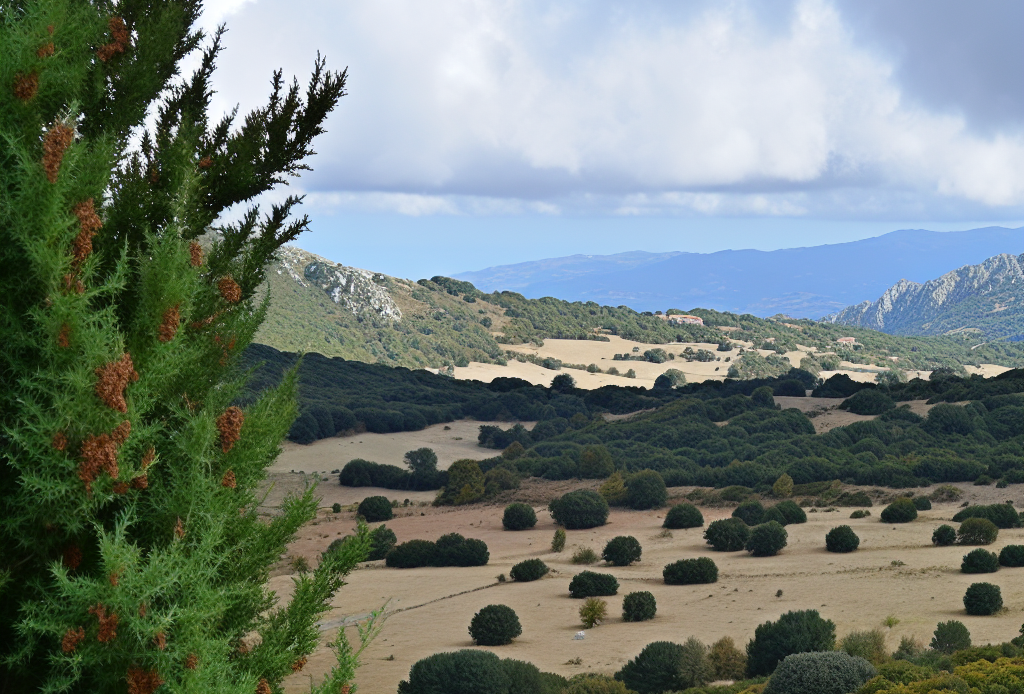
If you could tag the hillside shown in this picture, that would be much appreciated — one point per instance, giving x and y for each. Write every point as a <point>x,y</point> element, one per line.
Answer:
<point>987,298</point>
<point>805,282</point>
<point>335,310</point>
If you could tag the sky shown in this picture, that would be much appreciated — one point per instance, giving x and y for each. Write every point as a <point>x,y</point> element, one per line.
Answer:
<point>485,133</point>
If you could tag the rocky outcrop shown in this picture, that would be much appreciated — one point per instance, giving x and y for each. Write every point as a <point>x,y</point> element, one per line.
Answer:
<point>973,297</point>
<point>358,291</point>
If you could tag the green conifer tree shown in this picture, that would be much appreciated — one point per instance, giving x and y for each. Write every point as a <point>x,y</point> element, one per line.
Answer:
<point>131,554</point>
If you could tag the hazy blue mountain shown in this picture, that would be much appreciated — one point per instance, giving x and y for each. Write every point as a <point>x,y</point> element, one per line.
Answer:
<point>801,282</point>
<point>988,298</point>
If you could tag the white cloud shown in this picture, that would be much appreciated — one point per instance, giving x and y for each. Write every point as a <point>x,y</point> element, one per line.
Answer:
<point>463,107</point>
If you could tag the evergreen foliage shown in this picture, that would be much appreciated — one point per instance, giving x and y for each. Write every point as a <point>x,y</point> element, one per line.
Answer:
<point>792,512</point>
<point>375,509</point>
<point>129,467</point>
<point>729,662</point>
<point>646,489</point>
<point>783,487</point>
<point>983,599</point>
<point>595,463</point>
<point>519,516</point>
<point>690,571</point>
<point>1012,555</point>
<point>664,666</point>
<point>622,551</point>
<point>588,584</point>
<point>869,645</point>
<point>594,684</point>
<point>593,611</point>
<point>979,561</point>
<point>767,539</point>
<point>819,673</point>
<point>795,632</point>
<point>472,671</point>
<point>683,516</point>
<point>841,539</point>
<point>558,540</point>
<point>450,550</point>
<point>382,541</point>
<point>495,625</point>
<point>529,570</point>
<point>900,511</point>
<point>950,637</point>
<point>977,531</point>
<point>579,510</point>
<point>365,473</point>
<point>1002,515</point>
<point>464,486</point>
<point>944,536</point>
<point>922,503</point>
<point>750,512</point>
<point>727,535</point>
<point>639,606</point>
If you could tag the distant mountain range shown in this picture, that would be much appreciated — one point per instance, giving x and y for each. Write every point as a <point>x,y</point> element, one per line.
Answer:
<point>987,298</point>
<point>800,282</point>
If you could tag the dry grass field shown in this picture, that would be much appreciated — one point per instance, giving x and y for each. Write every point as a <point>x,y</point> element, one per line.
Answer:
<point>895,572</point>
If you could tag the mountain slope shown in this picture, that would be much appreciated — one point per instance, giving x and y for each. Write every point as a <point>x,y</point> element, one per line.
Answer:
<point>807,282</point>
<point>988,298</point>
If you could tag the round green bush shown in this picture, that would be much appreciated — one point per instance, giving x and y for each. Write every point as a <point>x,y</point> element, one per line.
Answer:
<point>983,599</point>
<point>767,539</point>
<point>979,561</point>
<point>950,637</point>
<point>772,513</point>
<point>463,672</point>
<point>529,570</point>
<point>382,541</point>
<point>922,503</point>
<point>455,550</point>
<point>977,531</point>
<point>1003,515</point>
<point>860,513</point>
<point>683,516</point>
<point>750,512</point>
<point>944,536</point>
<point>639,607</point>
<point>792,512</point>
<point>795,632</point>
<point>900,511</point>
<point>664,666</point>
<point>495,625</point>
<point>579,510</point>
<point>841,540</point>
<point>727,535</point>
<point>1012,555</point>
<point>646,489</point>
<point>820,673</point>
<point>375,508</point>
<point>622,550</point>
<point>588,584</point>
<point>519,516</point>
<point>690,571</point>
<point>412,554</point>
<point>335,508</point>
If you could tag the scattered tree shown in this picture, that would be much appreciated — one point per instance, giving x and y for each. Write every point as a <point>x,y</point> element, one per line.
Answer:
<point>950,637</point>
<point>622,551</point>
<point>495,625</point>
<point>683,516</point>
<point>639,607</point>
<point>983,599</point>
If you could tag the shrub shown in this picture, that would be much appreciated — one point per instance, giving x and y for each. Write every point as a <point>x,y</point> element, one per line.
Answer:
<point>455,550</point>
<point>977,531</point>
<point>983,599</point>
<point>944,536</point>
<point>594,684</point>
<point>613,490</point>
<point>950,637</point>
<point>803,631</point>
<point>665,666</point>
<point>500,479</point>
<point>382,541</point>
<point>495,625</point>
<point>853,499</point>
<point>767,539</point>
<point>336,508</point>
<point>622,551</point>
<point>868,401</point>
<point>729,662</point>
<point>979,561</point>
<point>860,513</point>
<point>683,516</point>
<point>690,571</point>
<point>593,611</point>
<point>772,513</point>
<point>646,489</point>
<point>750,512</point>
<point>922,503</point>
<point>584,555</point>
<point>462,672</point>
<point>526,678</point>
<point>375,508</point>
<point>519,516</point>
<point>783,486</point>
<point>727,535</point>
<point>792,512</point>
<point>1003,515</point>
<point>1012,555</point>
<point>841,540</point>
<point>558,541</point>
<point>639,607</point>
<point>869,645</point>
<point>412,554</point>
<point>587,584</point>
<point>820,673</point>
<point>595,463</point>
<point>579,510</point>
<point>900,511</point>
<point>529,570</point>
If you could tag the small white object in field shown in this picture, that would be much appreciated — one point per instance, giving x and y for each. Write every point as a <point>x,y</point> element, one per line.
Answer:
<point>579,636</point>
